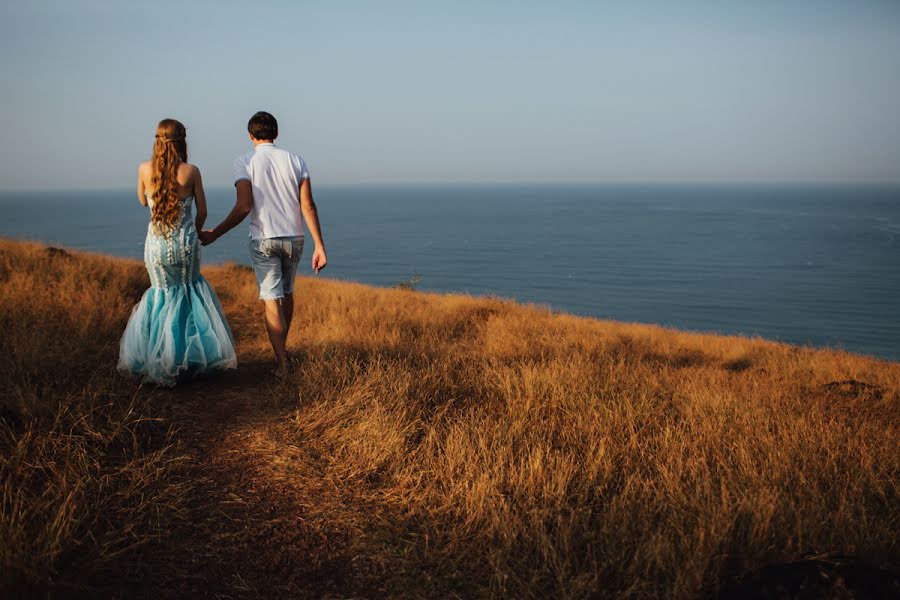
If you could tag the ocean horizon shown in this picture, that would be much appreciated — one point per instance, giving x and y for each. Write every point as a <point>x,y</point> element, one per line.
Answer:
<point>812,264</point>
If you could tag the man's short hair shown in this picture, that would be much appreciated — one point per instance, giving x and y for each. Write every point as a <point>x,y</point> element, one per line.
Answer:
<point>263,126</point>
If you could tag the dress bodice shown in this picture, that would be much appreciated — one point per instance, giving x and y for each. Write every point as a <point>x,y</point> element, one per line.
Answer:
<point>187,208</point>
<point>173,257</point>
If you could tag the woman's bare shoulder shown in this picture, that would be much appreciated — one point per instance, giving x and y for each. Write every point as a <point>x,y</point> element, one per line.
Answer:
<point>144,173</point>
<point>188,169</point>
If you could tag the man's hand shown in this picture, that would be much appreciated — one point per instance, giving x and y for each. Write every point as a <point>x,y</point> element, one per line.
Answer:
<point>319,260</point>
<point>207,237</point>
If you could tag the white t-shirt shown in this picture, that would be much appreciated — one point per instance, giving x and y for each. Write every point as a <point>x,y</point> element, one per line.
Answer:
<point>275,176</point>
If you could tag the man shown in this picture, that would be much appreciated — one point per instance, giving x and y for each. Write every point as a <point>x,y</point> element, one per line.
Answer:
<point>273,188</point>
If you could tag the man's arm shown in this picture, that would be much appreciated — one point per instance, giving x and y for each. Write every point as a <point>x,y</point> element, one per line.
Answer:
<point>308,207</point>
<point>242,208</point>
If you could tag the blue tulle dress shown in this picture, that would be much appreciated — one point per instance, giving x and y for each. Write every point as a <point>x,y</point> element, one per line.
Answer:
<point>178,329</point>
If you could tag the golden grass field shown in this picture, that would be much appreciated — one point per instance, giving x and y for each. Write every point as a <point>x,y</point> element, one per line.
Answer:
<point>429,446</point>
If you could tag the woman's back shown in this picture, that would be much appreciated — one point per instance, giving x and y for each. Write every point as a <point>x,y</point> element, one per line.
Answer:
<point>185,208</point>
<point>184,180</point>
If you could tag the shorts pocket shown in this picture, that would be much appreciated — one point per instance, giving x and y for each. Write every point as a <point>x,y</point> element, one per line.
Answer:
<point>261,247</point>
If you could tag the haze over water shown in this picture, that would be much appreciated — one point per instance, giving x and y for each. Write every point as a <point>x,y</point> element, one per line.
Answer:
<point>803,264</point>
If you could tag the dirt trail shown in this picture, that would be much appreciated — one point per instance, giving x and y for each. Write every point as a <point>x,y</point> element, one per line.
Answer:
<point>255,526</point>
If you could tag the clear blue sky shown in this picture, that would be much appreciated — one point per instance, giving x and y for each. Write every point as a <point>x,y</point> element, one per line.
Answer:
<point>389,91</point>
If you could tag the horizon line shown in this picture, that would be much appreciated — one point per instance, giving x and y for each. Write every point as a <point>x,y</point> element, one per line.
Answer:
<point>629,183</point>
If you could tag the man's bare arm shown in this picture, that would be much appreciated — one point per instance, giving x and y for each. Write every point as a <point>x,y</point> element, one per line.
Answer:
<point>311,214</point>
<point>242,208</point>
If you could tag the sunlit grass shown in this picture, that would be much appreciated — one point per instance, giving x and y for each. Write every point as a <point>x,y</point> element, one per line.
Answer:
<point>544,454</point>
<point>506,450</point>
<point>85,470</point>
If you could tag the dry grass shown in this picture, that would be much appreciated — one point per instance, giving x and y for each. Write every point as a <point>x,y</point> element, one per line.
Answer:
<point>479,447</point>
<point>86,474</point>
<point>535,454</point>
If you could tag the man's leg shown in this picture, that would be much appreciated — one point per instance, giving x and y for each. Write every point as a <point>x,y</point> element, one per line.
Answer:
<point>289,273</point>
<point>277,328</point>
<point>288,306</point>
<point>267,267</point>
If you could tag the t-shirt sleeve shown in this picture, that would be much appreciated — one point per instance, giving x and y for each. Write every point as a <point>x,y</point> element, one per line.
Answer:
<point>239,169</point>
<point>301,168</point>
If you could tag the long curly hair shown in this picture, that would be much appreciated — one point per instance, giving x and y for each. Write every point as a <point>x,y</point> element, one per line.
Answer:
<point>169,151</point>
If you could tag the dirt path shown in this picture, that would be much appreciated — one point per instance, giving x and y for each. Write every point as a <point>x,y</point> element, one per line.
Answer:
<point>263,521</point>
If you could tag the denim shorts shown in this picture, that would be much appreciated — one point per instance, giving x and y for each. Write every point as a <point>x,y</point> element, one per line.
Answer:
<point>275,263</point>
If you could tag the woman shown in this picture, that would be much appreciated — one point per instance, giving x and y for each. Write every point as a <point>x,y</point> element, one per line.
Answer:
<point>177,328</point>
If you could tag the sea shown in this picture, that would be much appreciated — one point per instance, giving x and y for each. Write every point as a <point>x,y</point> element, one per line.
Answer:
<point>808,264</point>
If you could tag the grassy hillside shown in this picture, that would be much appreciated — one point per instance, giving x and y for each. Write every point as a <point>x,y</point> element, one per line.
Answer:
<point>429,445</point>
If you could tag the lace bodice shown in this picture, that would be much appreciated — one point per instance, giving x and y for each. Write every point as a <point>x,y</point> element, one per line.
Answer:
<point>187,208</point>
<point>173,258</point>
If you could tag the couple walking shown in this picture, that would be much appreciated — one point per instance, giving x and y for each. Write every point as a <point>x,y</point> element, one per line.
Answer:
<point>178,328</point>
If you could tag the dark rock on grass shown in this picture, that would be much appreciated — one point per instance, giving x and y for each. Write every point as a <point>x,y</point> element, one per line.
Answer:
<point>831,576</point>
<point>852,388</point>
<point>53,252</point>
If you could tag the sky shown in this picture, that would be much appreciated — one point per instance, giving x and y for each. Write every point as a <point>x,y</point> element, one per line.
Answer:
<point>391,91</point>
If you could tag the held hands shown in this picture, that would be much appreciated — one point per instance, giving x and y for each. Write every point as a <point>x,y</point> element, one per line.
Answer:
<point>207,237</point>
<point>319,260</point>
